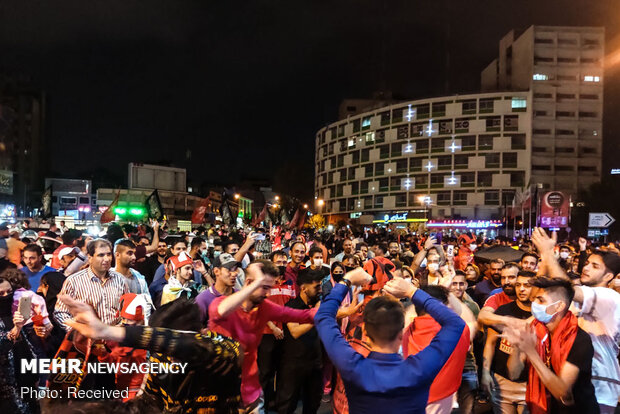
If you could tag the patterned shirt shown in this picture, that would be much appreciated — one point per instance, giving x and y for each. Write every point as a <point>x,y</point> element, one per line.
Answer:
<point>104,296</point>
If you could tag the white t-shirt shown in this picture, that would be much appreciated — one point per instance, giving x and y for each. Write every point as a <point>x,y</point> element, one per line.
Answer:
<point>599,316</point>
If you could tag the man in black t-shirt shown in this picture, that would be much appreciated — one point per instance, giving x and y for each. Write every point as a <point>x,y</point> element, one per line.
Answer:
<point>301,366</point>
<point>559,353</point>
<point>508,396</point>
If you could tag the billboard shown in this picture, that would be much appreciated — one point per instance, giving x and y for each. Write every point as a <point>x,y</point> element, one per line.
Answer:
<point>6,182</point>
<point>156,177</point>
<point>554,209</point>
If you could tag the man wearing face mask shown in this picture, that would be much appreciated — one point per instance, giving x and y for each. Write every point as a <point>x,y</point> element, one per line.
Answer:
<point>559,353</point>
<point>301,366</point>
<point>508,394</point>
<point>564,257</point>
<point>316,261</point>
<point>599,313</point>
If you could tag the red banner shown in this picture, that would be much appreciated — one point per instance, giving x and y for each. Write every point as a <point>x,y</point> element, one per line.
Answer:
<point>554,209</point>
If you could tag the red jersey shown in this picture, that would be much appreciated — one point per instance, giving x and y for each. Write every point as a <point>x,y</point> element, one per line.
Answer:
<point>497,300</point>
<point>121,354</point>
<point>280,293</point>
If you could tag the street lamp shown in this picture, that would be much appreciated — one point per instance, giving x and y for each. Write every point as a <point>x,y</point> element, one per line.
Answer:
<point>277,198</point>
<point>321,202</point>
<point>426,200</point>
<point>306,206</point>
<point>237,196</point>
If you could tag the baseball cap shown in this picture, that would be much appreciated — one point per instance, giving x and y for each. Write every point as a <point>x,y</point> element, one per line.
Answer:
<point>180,260</point>
<point>65,251</point>
<point>226,260</point>
<point>133,306</point>
<point>4,226</point>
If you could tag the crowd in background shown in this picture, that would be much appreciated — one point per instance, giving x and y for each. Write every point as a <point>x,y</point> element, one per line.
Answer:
<point>354,319</point>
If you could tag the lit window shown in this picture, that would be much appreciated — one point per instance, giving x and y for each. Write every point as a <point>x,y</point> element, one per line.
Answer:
<point>366,122</point>
<point>351,142</point>
<point>370,137</point>
<point>540,76</point>
<point>590,78</point>
<point>519,103</point>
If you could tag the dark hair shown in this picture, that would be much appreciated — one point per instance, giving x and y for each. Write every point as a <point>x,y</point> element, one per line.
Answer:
<point>526,273</point>
<point>555,284</point>
<point>335,265</point>
<point>69,236</point>
<point>178,240</point>
<point>511,265</point>
<point>459,272</point>
<point>496,261</point>
<point>277,253</point>
<point>313,250</point>
<point>127,243</point>
<point>531,254</point>
<point>179,314</point>
<point>114,232</point>
<point>16,278</point>
<point>93,244</point>
<point>269,268</point>
<point>438,292</point>
<point>196,241</point>
<point>359,246</point>
<point>382,247</point>
<point>611,261</point>
<point>228,243</point>
<point>351,257</point>
<point>384,319</point>
<point>35,248</point>
<point>308,276</point>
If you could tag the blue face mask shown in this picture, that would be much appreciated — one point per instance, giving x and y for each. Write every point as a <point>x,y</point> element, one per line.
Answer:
<point>216,253</point>
<point>540,312</point>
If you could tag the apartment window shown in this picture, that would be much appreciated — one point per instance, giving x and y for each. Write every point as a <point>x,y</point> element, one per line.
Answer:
<point>589,60</point>
<point>541,131</point>
<point>567,77</point>
<point>370,138</point>
<point>564,132</point>
<point>486,105</point>
<point>332,133</point>
<point>591,78</point>
<point>588,96</point>
<point>565,96</point>
<point>331,149</point>
<point>540,77</point>
<point>380,136</point>
<point>340,160</point>
<point>567,59</point>
<point>68,200</point>
<point>423,111</point>
<point>509,160</point>
<point>330,178</point>
<point>343,145</point>
<point>421,146</point>
<point>539,149</point>
<point>444,162</point>
<point>588,150</point>
<point>366,122</point>
<point>485,142</point>
<point>543,41</point>
<point>585,168</point>
<point>491,198</point>
<point>351,173</point>
<point>364,187</point>
<point>396,150</point>
<point>356,125</point>
<point>517,179</point>
<point>494,123</point>
<point>439,109</point>
<point>461,125</point>
<point>567,42</point>
<point>385,118</point>
<point>368,170</point>
<point>438,145</point>
<point>517,141</point>
<point>417,130</point>
<point>485,179</point>
<point>356,157</point>
<point>351,142</point>
<point>491,160</point>
<point>564,150</point>
<point>378,201</point>
<point>543,59</point>
<point>384,184</point>
<point>583,114</point>
<point>468,179</point>
<point>468,143</point>
<point>565,114</point>
<point>469,107</point>
<point>540,113</point>
<point>402,166</point>
<point>541,167</point>
<point>511,122</point>
<point>402,132</point>
<point>341,130</point>
<point>443,198</point>
<point>421,181</point>
<point>540,95</point>
<point>590,42</point>
<point>564,168</point>
<point>445,127</point>
<point>384,151</point>
<point>461,161</point>
<point>460,198</point>
<point>519,103</point>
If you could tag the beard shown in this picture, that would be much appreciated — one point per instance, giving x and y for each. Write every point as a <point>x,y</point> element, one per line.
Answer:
<point>509,290</point>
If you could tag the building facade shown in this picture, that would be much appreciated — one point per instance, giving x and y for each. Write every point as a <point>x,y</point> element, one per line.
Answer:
<point>458,156</point>
<point>537,122</point>
<point>563,68</point>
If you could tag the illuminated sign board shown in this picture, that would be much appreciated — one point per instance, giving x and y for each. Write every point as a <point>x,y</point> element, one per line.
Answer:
<point>470,224</point>
<point>615,171</point>
<point>397,218</point>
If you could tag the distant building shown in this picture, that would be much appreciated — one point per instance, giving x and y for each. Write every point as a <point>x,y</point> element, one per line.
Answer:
<point>23,155</point>
<point>463,157</point>
<point>72,198</point>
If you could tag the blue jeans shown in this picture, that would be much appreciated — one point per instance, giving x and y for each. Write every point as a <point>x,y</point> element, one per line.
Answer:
<point>467,392</point>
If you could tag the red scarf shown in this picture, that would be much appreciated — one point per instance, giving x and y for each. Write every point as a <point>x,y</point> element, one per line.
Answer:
<point>553,354</point>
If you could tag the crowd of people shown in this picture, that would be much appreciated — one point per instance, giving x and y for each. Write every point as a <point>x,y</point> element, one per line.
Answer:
<point>271,320</point>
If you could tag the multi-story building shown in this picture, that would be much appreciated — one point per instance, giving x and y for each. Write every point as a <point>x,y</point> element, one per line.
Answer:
<point>458,156</point>
<point>563,68</point>
<point>538,123</point>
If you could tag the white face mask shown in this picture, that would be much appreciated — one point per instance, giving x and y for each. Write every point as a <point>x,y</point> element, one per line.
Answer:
<point>433,267</point>
<point>473,246</point>
<point>564,255</point>
<point>318,262</point>
<point>616,283</point>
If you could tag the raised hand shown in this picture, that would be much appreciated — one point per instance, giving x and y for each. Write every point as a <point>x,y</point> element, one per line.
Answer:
<point>542,241</point>
<point>400,288</point>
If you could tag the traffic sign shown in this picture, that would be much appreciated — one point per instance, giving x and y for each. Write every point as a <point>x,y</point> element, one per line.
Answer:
<point>592,233</point>
<point>600,220</point>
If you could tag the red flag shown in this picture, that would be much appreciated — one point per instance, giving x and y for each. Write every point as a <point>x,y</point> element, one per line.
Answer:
<point>261,216</point>
<point>109,215</point>
<point>295,220</point>
<point>198,215</point>
<point>302,220</point>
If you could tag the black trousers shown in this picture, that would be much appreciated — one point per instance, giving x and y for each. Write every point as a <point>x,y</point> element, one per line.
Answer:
<point>268,360</point>
<point>299,381</point>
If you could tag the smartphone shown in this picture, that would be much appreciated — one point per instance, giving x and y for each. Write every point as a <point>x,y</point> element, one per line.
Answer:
<point>24,306</point>
<point>450,250</point>
<point>260,236</point>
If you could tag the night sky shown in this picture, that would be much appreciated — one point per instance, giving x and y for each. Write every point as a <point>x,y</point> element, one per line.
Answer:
<point>245,85</point>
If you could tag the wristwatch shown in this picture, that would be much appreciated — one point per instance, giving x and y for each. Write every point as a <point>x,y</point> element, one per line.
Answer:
<point>346,282</point>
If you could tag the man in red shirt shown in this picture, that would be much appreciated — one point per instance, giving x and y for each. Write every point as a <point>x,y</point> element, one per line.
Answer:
<point>270,349</point>
<point>418,335</point>
<point>508,279</point>
<point>243,316</point>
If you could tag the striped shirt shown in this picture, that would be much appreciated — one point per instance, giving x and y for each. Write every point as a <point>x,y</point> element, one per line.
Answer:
<point>86,287</point>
